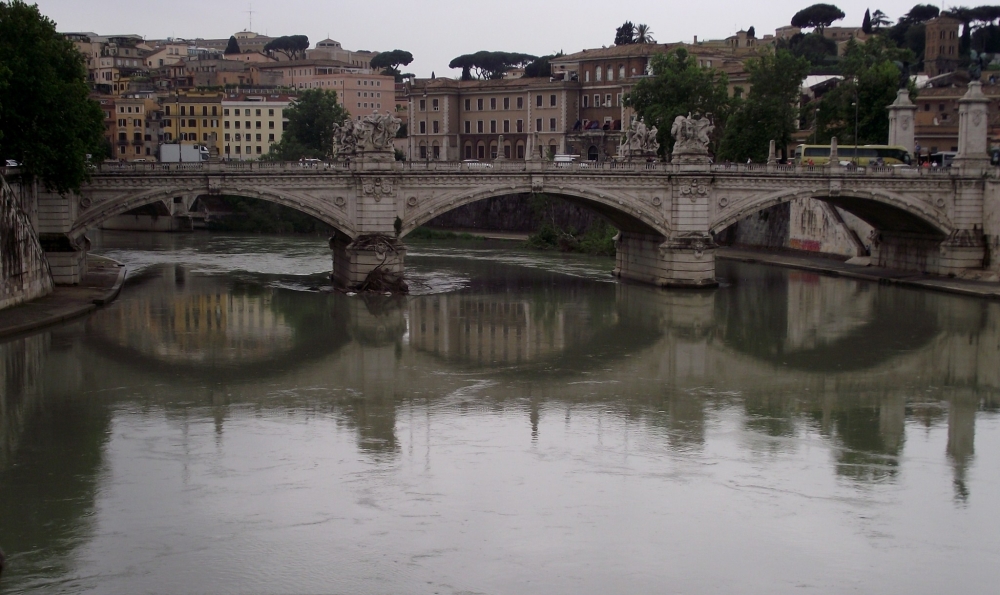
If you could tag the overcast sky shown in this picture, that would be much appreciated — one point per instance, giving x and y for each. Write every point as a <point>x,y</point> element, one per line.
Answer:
<point>437,31</point>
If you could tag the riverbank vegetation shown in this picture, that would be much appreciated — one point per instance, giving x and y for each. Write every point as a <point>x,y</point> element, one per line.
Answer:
<point>598,239</point>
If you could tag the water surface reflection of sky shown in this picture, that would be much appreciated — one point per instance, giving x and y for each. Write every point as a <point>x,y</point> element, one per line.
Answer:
<point>512,429</point>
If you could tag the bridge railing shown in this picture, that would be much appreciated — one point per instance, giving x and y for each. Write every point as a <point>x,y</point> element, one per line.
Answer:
<point>637,168</point>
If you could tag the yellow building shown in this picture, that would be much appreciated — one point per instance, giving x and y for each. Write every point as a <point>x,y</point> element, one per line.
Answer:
<point>135,134</point>
<point>251,123</point>
<point>192,118</point>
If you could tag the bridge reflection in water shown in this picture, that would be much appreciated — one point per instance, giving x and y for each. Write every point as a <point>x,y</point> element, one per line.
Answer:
<point>788,355</point>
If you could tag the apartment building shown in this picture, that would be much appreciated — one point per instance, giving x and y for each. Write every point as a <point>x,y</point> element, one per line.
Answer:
<point>454,120</point>
<point>135,131</point>
<point>251,123</point>
<point>359,90</point>
<point>192,118</point>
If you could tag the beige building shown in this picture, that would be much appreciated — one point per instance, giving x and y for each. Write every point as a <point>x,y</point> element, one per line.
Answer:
<point>359,90</point>
<point>135,135</point>
<point>251,124</point>
<point>329,49</point>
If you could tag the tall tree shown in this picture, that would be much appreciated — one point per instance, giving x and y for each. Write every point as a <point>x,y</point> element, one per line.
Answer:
<point>819,16</point>
<point>540,68</point>
<point>679,86</point>
<point>390,62</point>
<point>233,47</point>
<point>309,130</point>
<point>815,48</point>
<point>752,32</point>
<point>47,121</point>
<point>625,34</point>
<point>879,20</point>
<point>768,112</point>
<point>866,23</point>
<point>966,16</point>
<point>643,34</point>
<point>871,80</point>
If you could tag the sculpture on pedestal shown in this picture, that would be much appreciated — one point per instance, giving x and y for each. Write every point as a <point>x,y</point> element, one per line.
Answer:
<point>692,135</point>
<point>371,136</point>
<point>639,141</point>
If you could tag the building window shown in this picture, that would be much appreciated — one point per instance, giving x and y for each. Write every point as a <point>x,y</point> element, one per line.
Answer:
<point>238,149</point>
<point>423,128</point>
<point>506,126</point>
<point>258,149</point>
<point>493,103</point>
<point>239,137</point>
<point>607,100</point>
<point>479,126</point>
<point>586,101</point>
<point>538,101</point>
<point>204,110</point>
<point>226,137</point>
<point>423,152</point>
<point>538,125</point>
<point>493,126</point>
<point>468,105</point>
<point>552,124</point>
<point>434,104</point>
<point>215,110</point>
<point>611,73</point>
<point>166,111</point>
<point>506,102</point>
<point>552,100</point>
<point>270,125</point>
<point>619,100</point>
<point>183,111</point>
<point>192,123</point>
<point>258,113</point>
<point>520,125</point>
<point>423,105</point>
<point>468,127</point>
<point>257,124</point>
<point>258,138</point>
<point>270,113</point>
<point>621,71</point>
<point>270,138</point>
<point>434,127</point>
<point>204,123</point>
<point>597,74</point>
<point>586,76</point>
<point>520,103</point>
<point>597,100</point>
<point>479,104</point>
<point>226,124</point>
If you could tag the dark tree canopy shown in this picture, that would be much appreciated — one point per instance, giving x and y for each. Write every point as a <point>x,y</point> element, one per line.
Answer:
<point>819,16</point>
<point>921,13</point>
<point>678,86</point>
<point>490,65</point>
<point>233,47</point>
<point>866,24</point>
<point>814,47</point>
<point>309,130</point>
<point>293,46</point>
<point>47,121</point>
<point>768,113</point>
<point>540,67</point>
<point>625,34</point>
<point>751,32</point>
<point>390,62</point>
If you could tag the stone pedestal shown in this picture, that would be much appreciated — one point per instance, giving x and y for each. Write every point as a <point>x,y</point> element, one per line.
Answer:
<point>679,261</point>
<point>354,260</point>
<point>973,123</point>
<point>901,121</point>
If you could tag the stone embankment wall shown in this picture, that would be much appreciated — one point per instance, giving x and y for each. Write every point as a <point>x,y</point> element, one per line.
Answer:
<point>807,225</point>
<point>24,272</point>
<point>516,213</point>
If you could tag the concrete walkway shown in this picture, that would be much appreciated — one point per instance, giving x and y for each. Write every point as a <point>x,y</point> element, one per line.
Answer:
<point>829,266</point>
<point>101,285</point>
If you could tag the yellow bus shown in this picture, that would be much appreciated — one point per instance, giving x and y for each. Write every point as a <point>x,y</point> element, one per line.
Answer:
<point>863,155</point>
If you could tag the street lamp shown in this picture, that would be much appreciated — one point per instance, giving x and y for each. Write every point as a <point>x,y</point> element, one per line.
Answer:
<point>815,124</point>
<point>855,104</point>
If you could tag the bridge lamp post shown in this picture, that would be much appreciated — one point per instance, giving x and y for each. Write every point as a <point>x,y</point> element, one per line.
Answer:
<point>855,104</point>
<point>815,124</point>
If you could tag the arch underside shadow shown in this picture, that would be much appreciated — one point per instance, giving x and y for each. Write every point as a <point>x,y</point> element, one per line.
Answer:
<point>882,211</point>
<point>107,209</point>
<point>640,221</point>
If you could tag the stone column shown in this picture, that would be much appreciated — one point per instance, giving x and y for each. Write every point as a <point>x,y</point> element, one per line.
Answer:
<point>901,121</point>
<point>973,121</point>
<point>373,258</point>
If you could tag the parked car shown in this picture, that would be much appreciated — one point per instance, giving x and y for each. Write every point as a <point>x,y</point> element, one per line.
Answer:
<point>11,163</point>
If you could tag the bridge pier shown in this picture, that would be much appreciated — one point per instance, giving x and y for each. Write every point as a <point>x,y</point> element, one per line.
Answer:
<point>958,254</point>
<point>354,261</point>
<point>682,260</point>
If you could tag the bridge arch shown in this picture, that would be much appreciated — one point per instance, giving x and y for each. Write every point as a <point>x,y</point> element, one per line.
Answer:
<point>625,213</point>
<point>93,215</point>
<point>883,210</point>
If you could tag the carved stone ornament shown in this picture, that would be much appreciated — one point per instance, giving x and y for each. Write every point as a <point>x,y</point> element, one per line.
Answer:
<point>373,134</point>
<point>377,187</point>
<point>639,140</point>
<point>694,190</point>
<point>904,123</point>
<point>340,201</point>
<point>977,118</point>
<point>691,136</point>
<point>85,202</point>
<point>412,201</point>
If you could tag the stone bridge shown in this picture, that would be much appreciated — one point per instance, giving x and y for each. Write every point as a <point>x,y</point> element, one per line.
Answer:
<point>940,221</point>
<point>943,221</point>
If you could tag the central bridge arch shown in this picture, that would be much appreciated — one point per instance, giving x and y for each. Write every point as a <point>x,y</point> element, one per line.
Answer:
<point>626,213</point>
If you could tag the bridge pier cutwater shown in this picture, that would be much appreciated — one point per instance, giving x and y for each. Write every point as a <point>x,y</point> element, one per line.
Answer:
<point>944,221</point>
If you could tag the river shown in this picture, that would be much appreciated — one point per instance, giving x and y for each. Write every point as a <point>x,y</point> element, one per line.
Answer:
<point>520,423</point>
